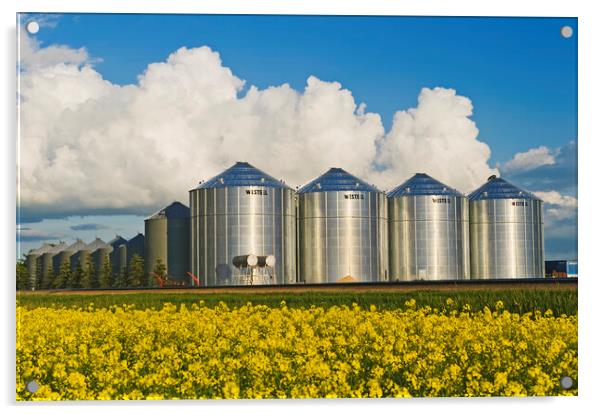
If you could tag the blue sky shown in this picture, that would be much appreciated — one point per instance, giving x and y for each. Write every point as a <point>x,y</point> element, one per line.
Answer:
<point>519,73</point>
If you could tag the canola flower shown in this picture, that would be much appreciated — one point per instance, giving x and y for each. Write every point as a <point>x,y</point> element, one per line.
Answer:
<point>261,352</point>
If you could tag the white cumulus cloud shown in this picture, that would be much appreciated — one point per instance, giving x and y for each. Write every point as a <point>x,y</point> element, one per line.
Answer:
<point>90,146</point>
<point>33,56</point>
<point>438,138</point>
<point>557,206</point>
<point>533,158</point>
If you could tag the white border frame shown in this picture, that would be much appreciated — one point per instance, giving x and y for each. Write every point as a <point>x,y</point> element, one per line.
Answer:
<point>590,68</point>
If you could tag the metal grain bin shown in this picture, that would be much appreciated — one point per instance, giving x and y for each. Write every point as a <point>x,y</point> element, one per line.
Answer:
<point>242,211</point>
<point>33,263</point>
<point>122,258</point>
<point>79,259</point>
<point>99,251</point>
<point>115,256</point>
<point>428,231</point>
<point>65,255</point>
<point>125,252</point>
<point>135,246</point>
<point>47,268</point>
<point>342,230</point>
<point>168,239</point>
<point>506,232</point>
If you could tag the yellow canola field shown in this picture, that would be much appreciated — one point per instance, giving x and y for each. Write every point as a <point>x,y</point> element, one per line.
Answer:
<point>263,352</point>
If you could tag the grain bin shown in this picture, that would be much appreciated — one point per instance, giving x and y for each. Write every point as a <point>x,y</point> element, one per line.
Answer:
<point>506,232</point>
<point>33,264</point>
<point>65,255</point>
<point>117,256</point>
<point>80,259</point>
<point>428,231</point>
<point>47,270</point>
<point>168,240</point>
<point>125,252</point>
<point>93,254</point>
<point>134,246</point>
<point>342,230</point>
<point>242,212</point>
<point>99,252</point>
<point>122,258</point>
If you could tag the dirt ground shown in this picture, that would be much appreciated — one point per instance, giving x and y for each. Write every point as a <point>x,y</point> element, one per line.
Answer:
<point>343,287</point>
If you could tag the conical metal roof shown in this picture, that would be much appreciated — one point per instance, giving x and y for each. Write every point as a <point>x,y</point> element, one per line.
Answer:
<point>136,245</point>
<point>423,184</point>
<point>117,241</point>
<point>44,248</point>
<point>498,188</point>
<point>97,244</point>
<point>337,179</point>
<point>136,239</point>
<point>175,210</point>
<point>41,250</point>
<point>242,174</point>
<point>57,248</point>
<point>77,246</point>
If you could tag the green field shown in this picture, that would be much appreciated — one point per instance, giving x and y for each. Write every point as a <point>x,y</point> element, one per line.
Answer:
<point>516,300</point>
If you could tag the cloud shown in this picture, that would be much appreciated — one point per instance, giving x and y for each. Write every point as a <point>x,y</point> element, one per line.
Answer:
<point>88,145</point>
<point>88,226</point>
<point>531,159</point>
<point>28,218</point>
<point>556,185</point>
<point>560,220</point>
<point>44,20</point>
<point>25,234</point>
<point>557,206</point>
<point>438,138</point>
<point>33,56</point>
<point>560,176</point>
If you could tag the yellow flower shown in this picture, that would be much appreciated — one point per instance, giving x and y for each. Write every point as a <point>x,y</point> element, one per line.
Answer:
<point>255,351</point>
